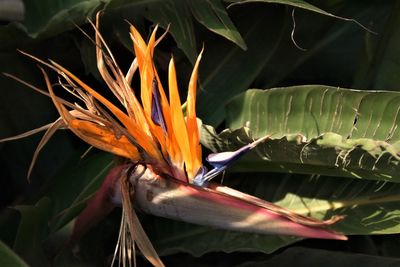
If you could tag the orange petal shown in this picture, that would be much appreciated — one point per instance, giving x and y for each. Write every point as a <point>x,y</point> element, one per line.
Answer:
<point>147,75</point>
<point>178,121</point>
<point>191,121</point>
<point>140,48</point>
<point>144,54</point>
<point>95,135</point>
<point>139,45</point>
<point>104,139</point>
<point>141,138</point>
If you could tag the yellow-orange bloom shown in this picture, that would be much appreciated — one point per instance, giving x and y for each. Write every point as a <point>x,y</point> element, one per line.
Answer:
<point>153,130</point>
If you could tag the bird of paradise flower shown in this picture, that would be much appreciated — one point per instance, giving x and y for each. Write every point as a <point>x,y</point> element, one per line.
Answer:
<point>162,173</point>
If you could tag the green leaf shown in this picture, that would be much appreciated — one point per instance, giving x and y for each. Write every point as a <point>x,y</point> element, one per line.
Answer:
<point>31,232</point>
<point>87,175</point>
<point>318,129</point>
<point>170,237</point>
<point>178,16</point>
<point>326,40</point>
<point>51,17</point>
<point>80,201</point>
<point>227,70</point>
<point>369,207</point>
<point>298,256</point>
<point>9,258</point>
<point>213,16</point>
<point>12,34</point>
<point>380,65</point>
<point>294,3</point>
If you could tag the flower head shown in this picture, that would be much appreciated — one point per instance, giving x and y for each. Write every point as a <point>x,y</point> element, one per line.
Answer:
<point>153,130</point>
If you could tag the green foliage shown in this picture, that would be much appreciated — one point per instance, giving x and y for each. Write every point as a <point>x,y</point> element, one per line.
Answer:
<point>52,17</point>
<point>293,3</point>
<point>215,18</point>
<point>331,152</point>
<point>31,229</point>
<point>315,129</point>
<point>317,257</point>
<point>9,258</point>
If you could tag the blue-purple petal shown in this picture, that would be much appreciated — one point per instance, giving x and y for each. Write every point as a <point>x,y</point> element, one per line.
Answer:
<point>220,161</point>
<point>156,110</point>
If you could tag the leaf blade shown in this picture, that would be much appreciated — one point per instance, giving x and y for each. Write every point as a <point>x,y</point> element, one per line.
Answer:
<point>9,257</point>
<point>213,16</point>
<point>317,130</point>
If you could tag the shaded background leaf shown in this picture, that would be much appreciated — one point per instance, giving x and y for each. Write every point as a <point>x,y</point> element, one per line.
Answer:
<point>235,69</point>
<point>50,17</point>
<point>318,257</point>
<point>379,65</point>
<point>213,16</point>
<point>294,3</point>
<point>178,16</point>
<point>31,233</point>
<point>9,258</point>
